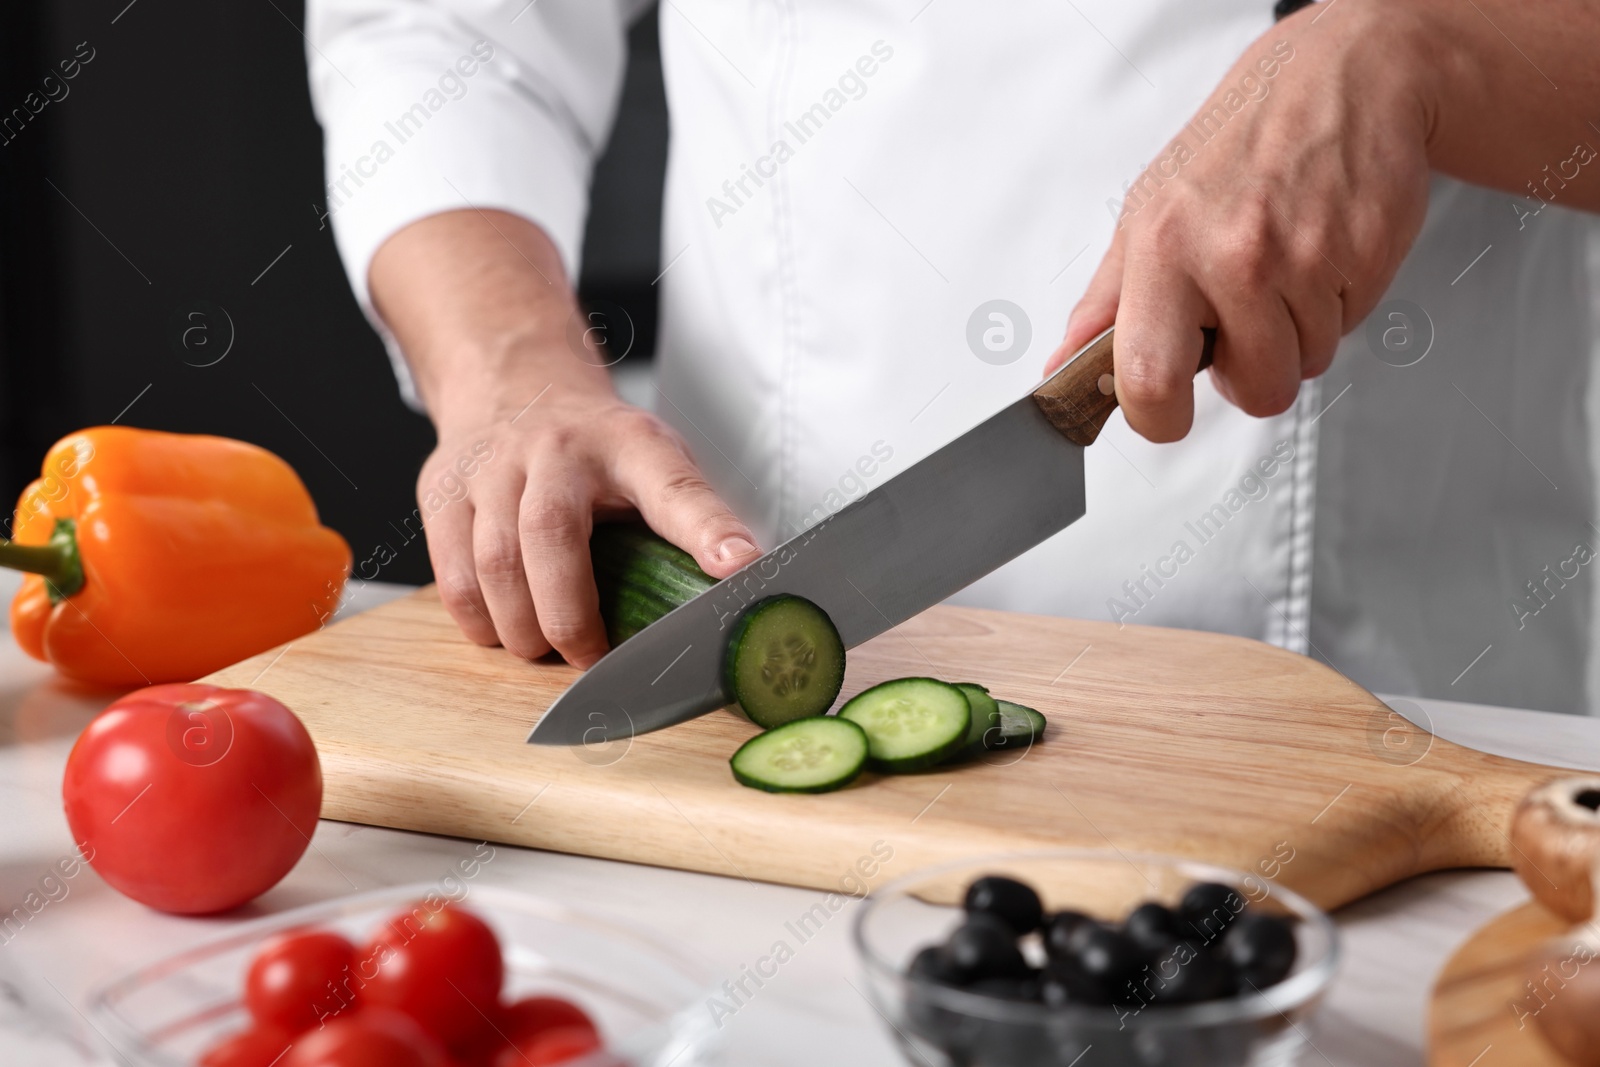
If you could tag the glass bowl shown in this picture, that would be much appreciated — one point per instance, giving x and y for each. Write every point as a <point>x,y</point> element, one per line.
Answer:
<point>642,992</point>
<point>939,1026</point>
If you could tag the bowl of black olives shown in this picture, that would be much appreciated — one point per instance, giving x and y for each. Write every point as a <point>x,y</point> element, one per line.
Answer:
<point>1095,958</point>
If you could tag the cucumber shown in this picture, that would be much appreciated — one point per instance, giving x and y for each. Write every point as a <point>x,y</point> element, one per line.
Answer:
<point>812,755</point>
<point>985,714</point>
<point>911,723</point>
<point>784,661</point>
<point>1013,726</point>
<point>640,577</point>
<point>1020,726</point>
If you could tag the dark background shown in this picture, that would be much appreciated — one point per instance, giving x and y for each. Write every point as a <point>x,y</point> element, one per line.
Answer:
<point>149,200</point>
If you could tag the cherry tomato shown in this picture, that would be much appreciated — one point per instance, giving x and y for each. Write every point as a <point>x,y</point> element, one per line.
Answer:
<point>533,1015</point>
<point>442,968</point>
<point>299,978</point>
<point>260,1046</point>
<point>193,798</point>
<point>562,1044</point>
<point>478,1049</point>
<point>518,1021</point>
<point>371,1037</point>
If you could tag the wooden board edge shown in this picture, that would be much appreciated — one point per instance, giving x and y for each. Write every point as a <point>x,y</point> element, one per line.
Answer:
<point>1472,1019</point>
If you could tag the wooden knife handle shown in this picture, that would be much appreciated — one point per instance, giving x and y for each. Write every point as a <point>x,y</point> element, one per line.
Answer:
<point>1079,398</point>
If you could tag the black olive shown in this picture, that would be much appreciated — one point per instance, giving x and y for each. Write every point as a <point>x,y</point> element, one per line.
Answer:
<point>1008,900</point>
<point>983,947</point>
<point>1022,989</point>
<point>929,965</point>
<point>1188,974</point>
<point>1102,963</point>
<point>1261,948</point>
<point>1058,931</point>
<point>1068,981</point>
<point>1064,982</point>
<point>1152,927</point>
<point>1207,910</point>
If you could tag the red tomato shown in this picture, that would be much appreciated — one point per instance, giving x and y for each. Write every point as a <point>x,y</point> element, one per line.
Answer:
<point>478,1049</point>
<point>193,798</point>
<point>367,1038</point>
<point>442,968</point>
<point>533,1015</point>
<point>300,978</point>
<point>260,1046</point>
<point>549,1047</point>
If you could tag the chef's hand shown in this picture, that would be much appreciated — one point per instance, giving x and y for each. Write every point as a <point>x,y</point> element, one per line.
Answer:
<point>1282,230</point>
<point>480,306</point>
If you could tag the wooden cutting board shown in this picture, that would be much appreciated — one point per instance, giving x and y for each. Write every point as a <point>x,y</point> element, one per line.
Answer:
<point>1474,1019</point>
<point>1160,740</point>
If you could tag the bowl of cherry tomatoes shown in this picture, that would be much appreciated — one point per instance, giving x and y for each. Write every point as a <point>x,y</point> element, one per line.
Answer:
<point>413,977</point>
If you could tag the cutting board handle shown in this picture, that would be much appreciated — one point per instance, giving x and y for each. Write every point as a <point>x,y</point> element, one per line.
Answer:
<point>1080,397</point>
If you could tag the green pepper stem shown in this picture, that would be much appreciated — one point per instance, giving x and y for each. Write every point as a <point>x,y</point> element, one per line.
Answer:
<point>48,560</point>
<point>57,560</point>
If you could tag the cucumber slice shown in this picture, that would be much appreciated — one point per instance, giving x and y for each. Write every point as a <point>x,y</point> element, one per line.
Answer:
<point>784,661</point>
<point>1019,727</point>
<point>1013,726</point>
<point>812,755</point>
<point>911,723</point>
<point>985,713</point>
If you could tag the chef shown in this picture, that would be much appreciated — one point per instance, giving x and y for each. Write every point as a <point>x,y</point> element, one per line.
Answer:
<point>882,217</point>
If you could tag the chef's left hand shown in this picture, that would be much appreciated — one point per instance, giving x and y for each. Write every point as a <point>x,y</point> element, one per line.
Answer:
<point>1282,230</point>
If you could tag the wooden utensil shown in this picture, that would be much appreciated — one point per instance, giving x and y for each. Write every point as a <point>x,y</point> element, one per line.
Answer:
<point>1472,1019</point>
<point>1524,989</point>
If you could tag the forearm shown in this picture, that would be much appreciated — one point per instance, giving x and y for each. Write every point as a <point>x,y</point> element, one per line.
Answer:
<point>1512,92</point>
<point>480,304</point>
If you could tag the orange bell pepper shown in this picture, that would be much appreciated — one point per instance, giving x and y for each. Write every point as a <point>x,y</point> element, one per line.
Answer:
<point>161,557</point>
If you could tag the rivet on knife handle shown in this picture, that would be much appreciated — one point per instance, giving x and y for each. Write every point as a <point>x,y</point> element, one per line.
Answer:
<point>1079,398</point>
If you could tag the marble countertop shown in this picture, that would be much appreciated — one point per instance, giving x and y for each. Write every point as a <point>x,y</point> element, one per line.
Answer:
<point>1375,1015</point>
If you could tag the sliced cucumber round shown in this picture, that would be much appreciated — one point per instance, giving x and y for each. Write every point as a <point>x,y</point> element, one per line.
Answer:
<point>1019,727</point>
<point>911,723</point>
<point>784,661</point>
<point>985,715</point>
<point>812,755</point>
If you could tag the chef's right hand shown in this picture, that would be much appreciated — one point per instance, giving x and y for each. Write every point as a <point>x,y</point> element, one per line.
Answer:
<point>1282,229</point>
<point>480,305</point>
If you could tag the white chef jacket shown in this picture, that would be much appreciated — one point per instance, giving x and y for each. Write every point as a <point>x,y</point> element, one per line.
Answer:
<point>850,184</point>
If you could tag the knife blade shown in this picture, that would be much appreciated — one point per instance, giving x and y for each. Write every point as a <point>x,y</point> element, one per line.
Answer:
<point>978,502</point>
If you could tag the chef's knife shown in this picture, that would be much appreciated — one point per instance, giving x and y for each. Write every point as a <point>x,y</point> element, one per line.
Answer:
<point>981,500</point>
